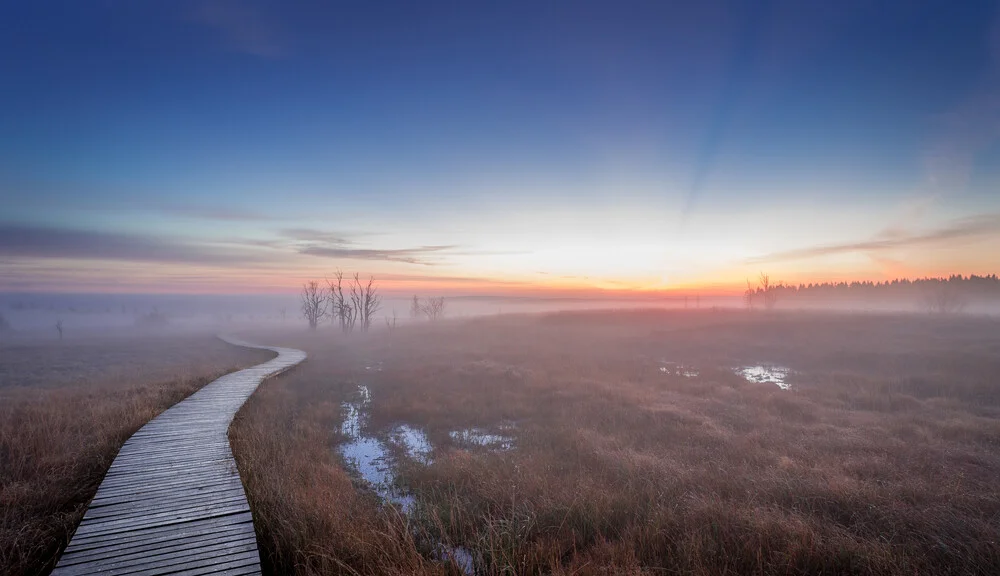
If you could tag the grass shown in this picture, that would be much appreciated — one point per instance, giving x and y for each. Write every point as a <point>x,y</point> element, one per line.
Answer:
<point>66,409</point>
<point>883,458</point>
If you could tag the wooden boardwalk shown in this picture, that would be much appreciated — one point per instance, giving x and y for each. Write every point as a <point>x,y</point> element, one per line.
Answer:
<point>172,501</point>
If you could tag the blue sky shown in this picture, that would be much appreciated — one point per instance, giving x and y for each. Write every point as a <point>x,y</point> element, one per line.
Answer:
<point>214,145</point>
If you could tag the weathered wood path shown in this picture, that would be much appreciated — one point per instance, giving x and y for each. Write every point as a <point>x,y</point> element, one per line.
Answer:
<point>172,501</point>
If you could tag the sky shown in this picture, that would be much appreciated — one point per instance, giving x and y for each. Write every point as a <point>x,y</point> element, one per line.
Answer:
<point>495,147</point>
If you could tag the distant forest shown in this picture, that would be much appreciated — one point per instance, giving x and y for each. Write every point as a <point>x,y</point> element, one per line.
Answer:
<point>951,294</point>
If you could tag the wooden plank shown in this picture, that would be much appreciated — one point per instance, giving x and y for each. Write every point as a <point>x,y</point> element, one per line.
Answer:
<point>172,501</point>
<point>233,523</point>
<point>162,557</point>
<point>210,538</point>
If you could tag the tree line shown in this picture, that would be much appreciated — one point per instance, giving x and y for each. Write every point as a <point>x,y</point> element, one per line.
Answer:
<point>945,294</point>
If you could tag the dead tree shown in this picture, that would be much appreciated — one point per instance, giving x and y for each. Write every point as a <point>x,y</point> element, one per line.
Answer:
<point>769,292</point>
<point>416,308</point>
<point>434,308</point>
<point>59,327</point>
<point>282,312</point>
<point>366,300</point>
<point>313,303</point>
<point>341,307</point>
<point>748,295</point>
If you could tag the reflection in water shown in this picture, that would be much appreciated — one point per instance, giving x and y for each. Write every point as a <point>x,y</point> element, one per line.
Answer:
<point>372,458</point>
<point>766,374</point>
<point>483,438</point>
<point>676,369</point>
<point>413,441</point>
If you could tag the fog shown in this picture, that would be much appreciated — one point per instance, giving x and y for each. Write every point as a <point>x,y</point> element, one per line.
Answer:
<point>37,315</point>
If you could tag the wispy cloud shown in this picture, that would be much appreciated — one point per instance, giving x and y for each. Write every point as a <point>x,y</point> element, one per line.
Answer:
<point>25,241</point>
<point>322,236</point>
<point>419,255</point>
<point>345,245</point>
<point>243,25</point>
<point>964,229</point>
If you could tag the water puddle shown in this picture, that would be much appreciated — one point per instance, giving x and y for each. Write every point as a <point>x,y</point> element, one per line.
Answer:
<point>766,374</point>
<point>372,458</point>
<point>676,369</point>
<point>457,554</point>
<point>414,442</point>
<point>500,440</point>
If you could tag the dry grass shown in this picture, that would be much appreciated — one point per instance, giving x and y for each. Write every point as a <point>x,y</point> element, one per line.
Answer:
<point>882,459</point>
<point>66,409</point>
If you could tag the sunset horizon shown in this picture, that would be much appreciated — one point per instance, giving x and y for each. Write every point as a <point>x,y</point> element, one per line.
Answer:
<point>509,288</point>
<point>217,146</point>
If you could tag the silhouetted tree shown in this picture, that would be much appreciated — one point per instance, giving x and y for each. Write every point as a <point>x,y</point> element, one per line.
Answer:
<point>416,309</point>
<point>59,328</point>
<point>365,300</point>
<point>434,308</point>
<point>768,291</point>
<point>341,307</point>
<point>748,295</point>
<point>313,303</point>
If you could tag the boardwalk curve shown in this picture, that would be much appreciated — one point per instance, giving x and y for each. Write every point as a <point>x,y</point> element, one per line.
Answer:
<point>172,501</point>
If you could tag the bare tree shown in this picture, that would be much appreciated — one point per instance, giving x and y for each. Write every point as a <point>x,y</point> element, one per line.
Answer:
<point>59,327</point>
<point>768,291</point>
<point>416,308</point>
<point>434,308</point>
<point>282,312</point>
<point>313,303</point>
<point>365,299</point>
<point>342,308</point>
<point>748,295</point>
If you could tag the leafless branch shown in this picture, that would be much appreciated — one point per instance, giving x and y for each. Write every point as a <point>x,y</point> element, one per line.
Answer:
<point>313,303</point>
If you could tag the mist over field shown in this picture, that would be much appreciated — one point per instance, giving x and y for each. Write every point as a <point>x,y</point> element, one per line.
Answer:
<point>37,313</point>
<point>510,288</point>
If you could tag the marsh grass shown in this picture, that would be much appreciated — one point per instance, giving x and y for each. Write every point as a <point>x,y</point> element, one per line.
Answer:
<point>59,434</point>
<point>883,457</point>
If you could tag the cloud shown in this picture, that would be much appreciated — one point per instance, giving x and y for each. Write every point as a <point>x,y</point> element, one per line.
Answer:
<point>25,241</point>
<point>964,229</point>
<point>342,245</point>
<point>243,25</point>
<point>418,255</point>
<point>311,235</point>
<point>449,280</point>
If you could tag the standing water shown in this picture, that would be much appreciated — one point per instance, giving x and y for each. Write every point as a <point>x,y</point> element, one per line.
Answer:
<point>766,374</point>
<point>372,459</point>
